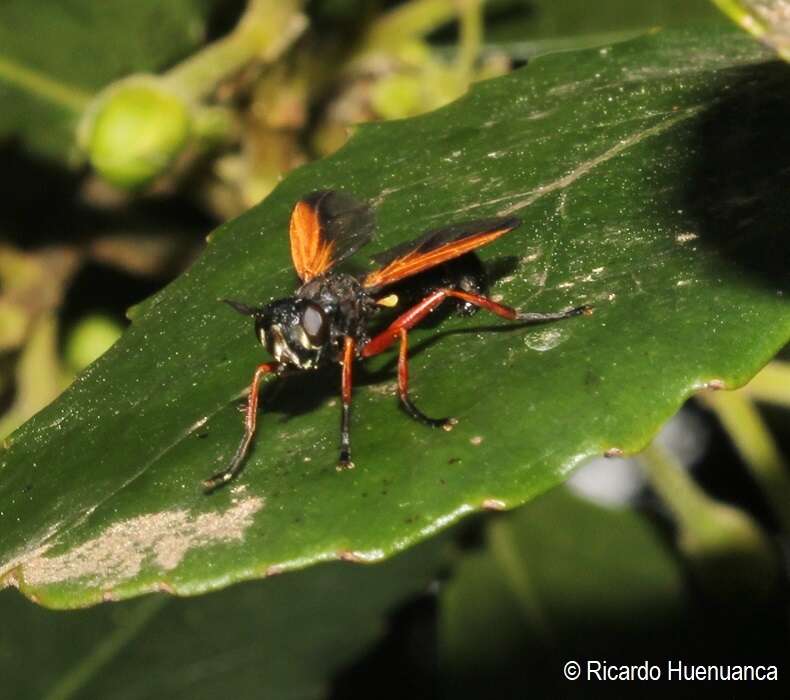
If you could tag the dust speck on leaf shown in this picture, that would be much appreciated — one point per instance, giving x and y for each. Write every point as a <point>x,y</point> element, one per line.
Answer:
<point>119,553</point>
<point>360,557</point>
<point>715,384</point>
<point>685,237</point>
<point>385,388</point>
<point>494,504</point>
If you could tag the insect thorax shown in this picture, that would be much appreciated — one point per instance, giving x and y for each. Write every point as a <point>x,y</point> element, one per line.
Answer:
<point>344,301</point>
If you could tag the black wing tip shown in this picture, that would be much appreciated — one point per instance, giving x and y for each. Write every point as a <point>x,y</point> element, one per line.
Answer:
<point>314,197</point>
<point>511,222</point>
<point>337,201</point>
<point>476,226</point>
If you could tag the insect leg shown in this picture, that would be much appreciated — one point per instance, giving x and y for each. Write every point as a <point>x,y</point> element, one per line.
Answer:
<point>408,319</point>
<point>403,389</point>
<point>345,417</point>
<point>416,313</point>
<point>400,326</point>
<point>250,419</point>
<point>513,315</point>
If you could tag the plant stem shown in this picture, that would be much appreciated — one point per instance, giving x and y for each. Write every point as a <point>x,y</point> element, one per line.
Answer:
<point>409,21</point>
<point>213,124</point>
<point>265,31</point>
<point>771,28</point>
<point>75,680</point>
<point>772,384</point>
<point>687,502</point>
<point>471,21</point>
<point>516,575</point>
<point>754,442</point>
<point>37,83</point>
<point>725,547</point>
<point>741,16</point>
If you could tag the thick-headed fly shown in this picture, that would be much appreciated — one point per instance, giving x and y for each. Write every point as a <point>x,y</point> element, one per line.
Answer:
<point>326,320</point>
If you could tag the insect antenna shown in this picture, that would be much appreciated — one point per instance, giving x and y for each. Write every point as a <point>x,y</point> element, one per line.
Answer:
<point>241,307</point>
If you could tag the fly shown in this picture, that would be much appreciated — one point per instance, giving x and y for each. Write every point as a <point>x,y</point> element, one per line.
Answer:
<point>326,320</point>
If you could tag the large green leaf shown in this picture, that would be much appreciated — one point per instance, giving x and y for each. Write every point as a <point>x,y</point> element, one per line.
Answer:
<point>564,579</point>
<point>55,55</point>
<point>556,578</point>
<point>545,19</point>
<point>281,638</point>
<point>652,181</point>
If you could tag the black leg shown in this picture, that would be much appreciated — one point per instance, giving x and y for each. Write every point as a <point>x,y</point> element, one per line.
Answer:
<point>345,438</point>
<point>585,310</point>
<point>345,417</point>
<point>403,389</point>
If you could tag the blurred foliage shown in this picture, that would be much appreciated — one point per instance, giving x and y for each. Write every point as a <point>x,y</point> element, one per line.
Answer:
<point>564,579</point>
<point>56,55</point>
<point>768,20</point>
<point>279,638</point>
<point>693,567</point>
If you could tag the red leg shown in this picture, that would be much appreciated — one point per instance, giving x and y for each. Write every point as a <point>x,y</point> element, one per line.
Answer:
<point>403,389</point>
<point>250,420</point>
<point>419,311</point>
<point>345,420</point>
<point>400,326</point>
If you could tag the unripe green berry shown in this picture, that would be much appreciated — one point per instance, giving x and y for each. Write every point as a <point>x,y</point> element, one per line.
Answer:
<point>90,338</point>
<point>139,128</point>
<point>397,96</point>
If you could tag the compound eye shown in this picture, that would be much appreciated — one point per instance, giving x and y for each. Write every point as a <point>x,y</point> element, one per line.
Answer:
<point>314,324</point>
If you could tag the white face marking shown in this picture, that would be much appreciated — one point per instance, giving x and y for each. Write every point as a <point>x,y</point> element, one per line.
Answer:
<point>305,341</point>
<point>280,349</point>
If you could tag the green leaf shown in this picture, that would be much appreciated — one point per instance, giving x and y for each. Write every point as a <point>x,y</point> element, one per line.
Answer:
<point>281,638</point>
<point>652,180</point>
<point>564,579</point>
<point>552,576</point>
<point>55,56</point>
<point>547,20</point>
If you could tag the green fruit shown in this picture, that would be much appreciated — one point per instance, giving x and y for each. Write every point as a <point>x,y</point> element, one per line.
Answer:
<point>89,339</point>
<point>138,130</point>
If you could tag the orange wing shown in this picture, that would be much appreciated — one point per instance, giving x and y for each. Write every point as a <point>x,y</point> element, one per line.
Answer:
<point>434,248</point>
<point>327,227</point>
<point>311,253</point>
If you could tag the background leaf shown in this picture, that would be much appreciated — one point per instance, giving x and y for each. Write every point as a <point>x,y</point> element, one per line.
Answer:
<point>565,579</point>
<point>56,55</point>
<point>651,178</point>
<point>284,637</point>
<point>544,20</point>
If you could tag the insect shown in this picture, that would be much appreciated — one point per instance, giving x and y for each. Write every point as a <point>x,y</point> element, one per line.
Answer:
<point>327,319</point>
